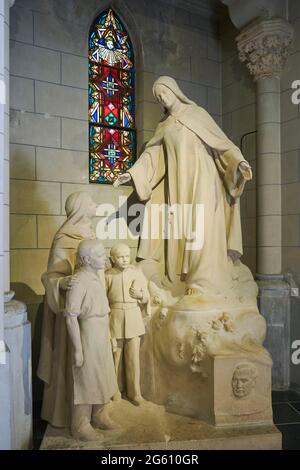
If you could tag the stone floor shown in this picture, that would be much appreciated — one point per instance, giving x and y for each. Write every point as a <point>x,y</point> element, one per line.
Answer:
<point>286,407</point>
<point>39,426</point>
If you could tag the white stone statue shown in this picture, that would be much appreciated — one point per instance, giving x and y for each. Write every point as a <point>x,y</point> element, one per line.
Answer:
<point>194,161</point>
<point>93,372</point>
<point>204,306</point>
<point>127,293</point>
<point>55,347</point>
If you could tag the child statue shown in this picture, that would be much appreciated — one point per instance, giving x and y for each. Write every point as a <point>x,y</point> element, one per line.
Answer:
<point>127,293</point>
<point>54,358</point>
<point>86,313</point>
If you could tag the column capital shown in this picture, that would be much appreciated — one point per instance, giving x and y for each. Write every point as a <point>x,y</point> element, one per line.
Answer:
<point>264,46</point>
<point>11,3</point>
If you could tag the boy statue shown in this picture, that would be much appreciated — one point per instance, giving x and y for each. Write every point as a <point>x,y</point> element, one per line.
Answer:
<point>86,312</point>
<point>127,294</point>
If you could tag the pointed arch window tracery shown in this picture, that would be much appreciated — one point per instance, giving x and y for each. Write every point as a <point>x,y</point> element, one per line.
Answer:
<point>112,133</point>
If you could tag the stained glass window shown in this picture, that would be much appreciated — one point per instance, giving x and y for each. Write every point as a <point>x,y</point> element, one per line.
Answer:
<point>111,99</point>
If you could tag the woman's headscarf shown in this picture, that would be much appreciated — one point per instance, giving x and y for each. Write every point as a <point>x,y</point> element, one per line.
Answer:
<point>76,206</point>
<point>76,225</point>
<point>172,85</point>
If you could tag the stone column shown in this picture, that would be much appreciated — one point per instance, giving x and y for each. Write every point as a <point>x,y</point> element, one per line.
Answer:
<point>4,113</point>
<point>15,335</point>
<point>5,435</point>
<point>264,46</point>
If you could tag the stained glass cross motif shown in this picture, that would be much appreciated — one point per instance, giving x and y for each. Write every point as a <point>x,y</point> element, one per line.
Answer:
<point>111,99</point>
<point>111,152</point>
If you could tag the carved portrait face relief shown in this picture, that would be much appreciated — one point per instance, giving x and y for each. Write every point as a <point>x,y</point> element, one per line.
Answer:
<point>243,380</point>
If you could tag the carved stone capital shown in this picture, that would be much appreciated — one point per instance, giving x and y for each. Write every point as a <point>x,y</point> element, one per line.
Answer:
<point>265,46</point>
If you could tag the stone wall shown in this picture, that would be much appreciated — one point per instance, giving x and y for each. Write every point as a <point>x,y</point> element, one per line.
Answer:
<point>239,111</point>
<point>49,138</point>
<point>5,389</point>
<point>290,144</point>
<point>239,123</point>
<point>4,150</point>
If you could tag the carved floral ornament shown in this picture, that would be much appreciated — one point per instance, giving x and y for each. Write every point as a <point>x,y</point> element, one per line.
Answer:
<point>265,47</point>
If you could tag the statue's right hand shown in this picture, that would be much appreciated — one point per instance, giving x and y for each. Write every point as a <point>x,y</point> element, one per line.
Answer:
<point>122,179</point>
<point>78,359</point>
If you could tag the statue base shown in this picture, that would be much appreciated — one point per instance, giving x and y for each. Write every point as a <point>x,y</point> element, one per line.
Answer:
<point>150,427</point>
<point>18,401</point>
<point>275,305</point>
<point>208,365</point>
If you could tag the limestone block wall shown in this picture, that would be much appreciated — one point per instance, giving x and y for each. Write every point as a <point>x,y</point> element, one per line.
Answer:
<point>4,163</point>
<point>239,109</point>
<point>4,150</point>
<point>239,123</point>
<point>49,107</point>
<point>290,145</point>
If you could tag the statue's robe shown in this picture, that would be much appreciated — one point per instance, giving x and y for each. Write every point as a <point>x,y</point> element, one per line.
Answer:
<point>190,161</point>
<point>55,363</point>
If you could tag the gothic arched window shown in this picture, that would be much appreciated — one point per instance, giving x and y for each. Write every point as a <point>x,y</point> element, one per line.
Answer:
<point>112,134</point>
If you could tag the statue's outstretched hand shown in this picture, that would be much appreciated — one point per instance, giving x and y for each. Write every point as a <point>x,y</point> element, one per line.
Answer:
<point>122,179</point>
<point>245,170</point>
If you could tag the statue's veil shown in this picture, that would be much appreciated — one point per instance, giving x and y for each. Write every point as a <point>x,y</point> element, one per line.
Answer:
<point>172,85</point>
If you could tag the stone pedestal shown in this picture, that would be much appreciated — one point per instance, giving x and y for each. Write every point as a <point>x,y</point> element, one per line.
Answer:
<point>274,304</point>
<point>17,333</point>
<point>205,359</point>
<point>227,389</point>
<point>5,400</point>
<point>150,427</point>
